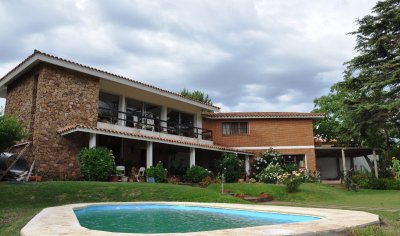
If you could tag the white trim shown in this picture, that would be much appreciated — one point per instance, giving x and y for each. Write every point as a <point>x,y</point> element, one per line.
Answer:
<point>148,139</point>
<point>263,117</point>
<point>274,147</point>
<point>135,84</point>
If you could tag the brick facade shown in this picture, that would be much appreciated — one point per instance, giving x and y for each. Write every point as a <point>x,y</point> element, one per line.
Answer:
<point>269,133</point>
<point>48,99</point>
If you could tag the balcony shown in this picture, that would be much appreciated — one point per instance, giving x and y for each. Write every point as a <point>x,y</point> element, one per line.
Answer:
<point>146,123</point>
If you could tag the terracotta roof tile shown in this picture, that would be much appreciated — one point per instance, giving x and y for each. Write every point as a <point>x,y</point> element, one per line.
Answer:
<point>102,71</point>
<point>69,128</point>
<point>257,115</point>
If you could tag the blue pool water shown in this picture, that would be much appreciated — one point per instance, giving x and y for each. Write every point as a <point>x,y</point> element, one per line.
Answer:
<point>151,218</point>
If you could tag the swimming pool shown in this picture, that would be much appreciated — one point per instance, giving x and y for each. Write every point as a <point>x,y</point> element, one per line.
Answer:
<point>63,220</point>
<point>156,218</point>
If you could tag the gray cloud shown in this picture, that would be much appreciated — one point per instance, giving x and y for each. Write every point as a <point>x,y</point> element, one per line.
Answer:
<point>248,55</point>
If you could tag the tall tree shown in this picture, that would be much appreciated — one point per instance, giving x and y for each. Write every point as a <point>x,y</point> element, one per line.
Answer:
<point>367,103</point>
<point>197,95</point>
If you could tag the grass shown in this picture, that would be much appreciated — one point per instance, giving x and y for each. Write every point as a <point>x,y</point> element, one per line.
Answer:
<point>20,202</point>
<point>322,195</point>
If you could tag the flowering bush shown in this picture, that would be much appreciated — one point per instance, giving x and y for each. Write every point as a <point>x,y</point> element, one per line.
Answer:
<point>310,177</point>
<point>292,180</point>
<point>396,167</point>
<point>270,174</point>
<point>268,157</point>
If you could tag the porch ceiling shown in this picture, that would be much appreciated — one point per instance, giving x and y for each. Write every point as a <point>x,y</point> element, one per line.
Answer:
<point>337,151</point>
<point>130,135</point>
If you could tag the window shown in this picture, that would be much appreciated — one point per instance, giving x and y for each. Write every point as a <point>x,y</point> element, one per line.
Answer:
<point>108,108</point>
<point>294,159</point>
<point>234,128</point>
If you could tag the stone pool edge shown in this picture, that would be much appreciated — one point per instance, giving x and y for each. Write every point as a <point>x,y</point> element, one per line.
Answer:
<point>61,220</point>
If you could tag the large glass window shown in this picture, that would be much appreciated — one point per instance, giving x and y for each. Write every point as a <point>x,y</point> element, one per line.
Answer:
<point>234,128</point>
<point>142,115</point>
<point>180,123</point>
<point>108,107</point>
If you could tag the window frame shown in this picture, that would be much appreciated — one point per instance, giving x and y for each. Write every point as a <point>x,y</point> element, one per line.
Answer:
<point>234,131</point>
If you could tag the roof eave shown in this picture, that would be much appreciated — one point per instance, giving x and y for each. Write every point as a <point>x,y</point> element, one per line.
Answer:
<point>39,57</point>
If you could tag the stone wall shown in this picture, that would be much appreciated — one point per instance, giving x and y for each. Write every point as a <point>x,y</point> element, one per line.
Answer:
<point>20,102</point>
<point>64,97</point>
<point>46,99</point>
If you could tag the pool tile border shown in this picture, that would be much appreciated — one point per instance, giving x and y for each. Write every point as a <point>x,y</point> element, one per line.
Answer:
<point>61,220</point>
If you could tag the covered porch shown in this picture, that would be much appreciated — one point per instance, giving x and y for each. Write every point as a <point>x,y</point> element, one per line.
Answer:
<point>133,150</point>
<point>332,161</point>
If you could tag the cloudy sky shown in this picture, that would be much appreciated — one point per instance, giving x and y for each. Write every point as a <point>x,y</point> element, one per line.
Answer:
<point>269,55</point>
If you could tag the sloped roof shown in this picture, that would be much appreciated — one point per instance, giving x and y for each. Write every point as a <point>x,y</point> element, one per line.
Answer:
<point>83,128</point>
<point>39,56</point>
<point>267,115</point>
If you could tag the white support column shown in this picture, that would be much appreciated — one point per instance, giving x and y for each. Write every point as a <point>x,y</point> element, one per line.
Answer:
<point>164,117</point>
<point>375,163</point>
<point>122,108</point>
<point>247,165</point>
<point>344,161</point>
<point>192,157</point>
<point>149,154</point>
<point>198,122</point>
<point>92,140</point>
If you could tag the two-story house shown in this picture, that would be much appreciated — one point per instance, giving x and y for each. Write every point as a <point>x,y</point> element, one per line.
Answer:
<point>66,106</point>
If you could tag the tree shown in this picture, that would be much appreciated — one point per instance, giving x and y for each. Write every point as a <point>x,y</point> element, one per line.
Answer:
<point>11,130</point>
<point>196,95</point>
<point>364,108</point>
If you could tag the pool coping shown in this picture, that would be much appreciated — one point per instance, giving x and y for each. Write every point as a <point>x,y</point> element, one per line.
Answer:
<point>61,220</point>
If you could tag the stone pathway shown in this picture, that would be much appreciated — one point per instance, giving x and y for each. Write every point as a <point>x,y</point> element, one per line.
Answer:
<point>300,204</point>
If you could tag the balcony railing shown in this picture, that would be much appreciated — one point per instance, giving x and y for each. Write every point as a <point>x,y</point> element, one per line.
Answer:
<point>147,122</point>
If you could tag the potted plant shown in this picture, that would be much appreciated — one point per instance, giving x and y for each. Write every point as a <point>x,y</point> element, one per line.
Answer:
<point>124,178</point>
<point>113,178</point>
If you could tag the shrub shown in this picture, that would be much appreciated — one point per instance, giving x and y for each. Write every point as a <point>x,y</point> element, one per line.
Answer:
<point>231,166</point>
<point>173,179</point>
<point>270,174</point>
<point>383,184</point>
<point>265,159</point>
<point>11,130</point>
<point>310,177</point>
<point>96,164</point>
<point>396,168</point>
<point>196,174</point>
<point>292,180</point>
<point>361,178</point>
<point>207,181</point>
<point>158,172</point>
<point>290,167</point>
<point>374,183</point>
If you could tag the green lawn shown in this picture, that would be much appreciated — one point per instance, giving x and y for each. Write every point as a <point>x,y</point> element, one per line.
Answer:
<point>20,202</point>
<point>322,195</point>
